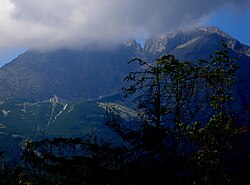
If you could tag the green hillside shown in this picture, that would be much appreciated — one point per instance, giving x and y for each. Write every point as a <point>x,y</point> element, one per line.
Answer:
<point>53,118</point>
<point>49,118</point>
<point>21,120</point>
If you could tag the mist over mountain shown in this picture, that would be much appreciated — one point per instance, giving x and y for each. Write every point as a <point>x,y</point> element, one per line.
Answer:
<point>88,73</point>
<point>64,23</point>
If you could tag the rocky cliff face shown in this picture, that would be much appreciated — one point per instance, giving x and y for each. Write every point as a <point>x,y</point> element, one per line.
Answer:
<point>84,74</point>
<point>193,45</point>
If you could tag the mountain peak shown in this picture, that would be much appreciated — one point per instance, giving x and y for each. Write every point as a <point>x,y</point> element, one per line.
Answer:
<point>213,29</point>
<point>193,40</point>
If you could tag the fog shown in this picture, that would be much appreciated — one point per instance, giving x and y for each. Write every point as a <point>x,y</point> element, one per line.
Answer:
<point>49,24</point>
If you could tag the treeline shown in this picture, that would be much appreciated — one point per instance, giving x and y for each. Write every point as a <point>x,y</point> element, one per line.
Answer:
<point>187,132</point>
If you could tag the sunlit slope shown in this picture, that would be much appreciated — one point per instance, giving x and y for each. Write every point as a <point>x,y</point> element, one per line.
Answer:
<point>53,118</point>
<point>49,118</point>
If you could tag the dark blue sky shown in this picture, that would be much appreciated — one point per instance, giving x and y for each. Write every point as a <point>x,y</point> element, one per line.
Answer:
<point>235,23</point>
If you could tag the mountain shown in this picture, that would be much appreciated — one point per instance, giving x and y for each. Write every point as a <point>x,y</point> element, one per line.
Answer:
<point>193,45</point>
<point>88,81</point>
<point>200,44</point>
<point>89,73</point>
<point>69,74</point>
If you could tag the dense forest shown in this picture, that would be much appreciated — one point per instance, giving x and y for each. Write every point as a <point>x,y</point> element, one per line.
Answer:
<point>189,130</point>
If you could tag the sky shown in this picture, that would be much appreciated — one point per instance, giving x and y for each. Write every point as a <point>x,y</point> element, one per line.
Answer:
<point>48,25</point>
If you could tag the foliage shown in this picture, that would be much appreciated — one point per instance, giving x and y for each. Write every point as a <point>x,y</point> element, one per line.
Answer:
<point>169,102</point>
<point>219,135</point>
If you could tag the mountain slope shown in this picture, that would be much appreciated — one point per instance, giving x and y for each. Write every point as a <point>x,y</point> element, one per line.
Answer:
<point>87,74</point>
<point>49,118</point>
<point>194,45</point>
<point>69,74</point>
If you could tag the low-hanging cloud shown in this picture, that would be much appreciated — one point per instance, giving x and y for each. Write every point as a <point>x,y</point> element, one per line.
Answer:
<point>74,23</point>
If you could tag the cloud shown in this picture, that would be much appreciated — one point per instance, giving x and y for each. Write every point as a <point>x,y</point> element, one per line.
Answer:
<point>75,23</point>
